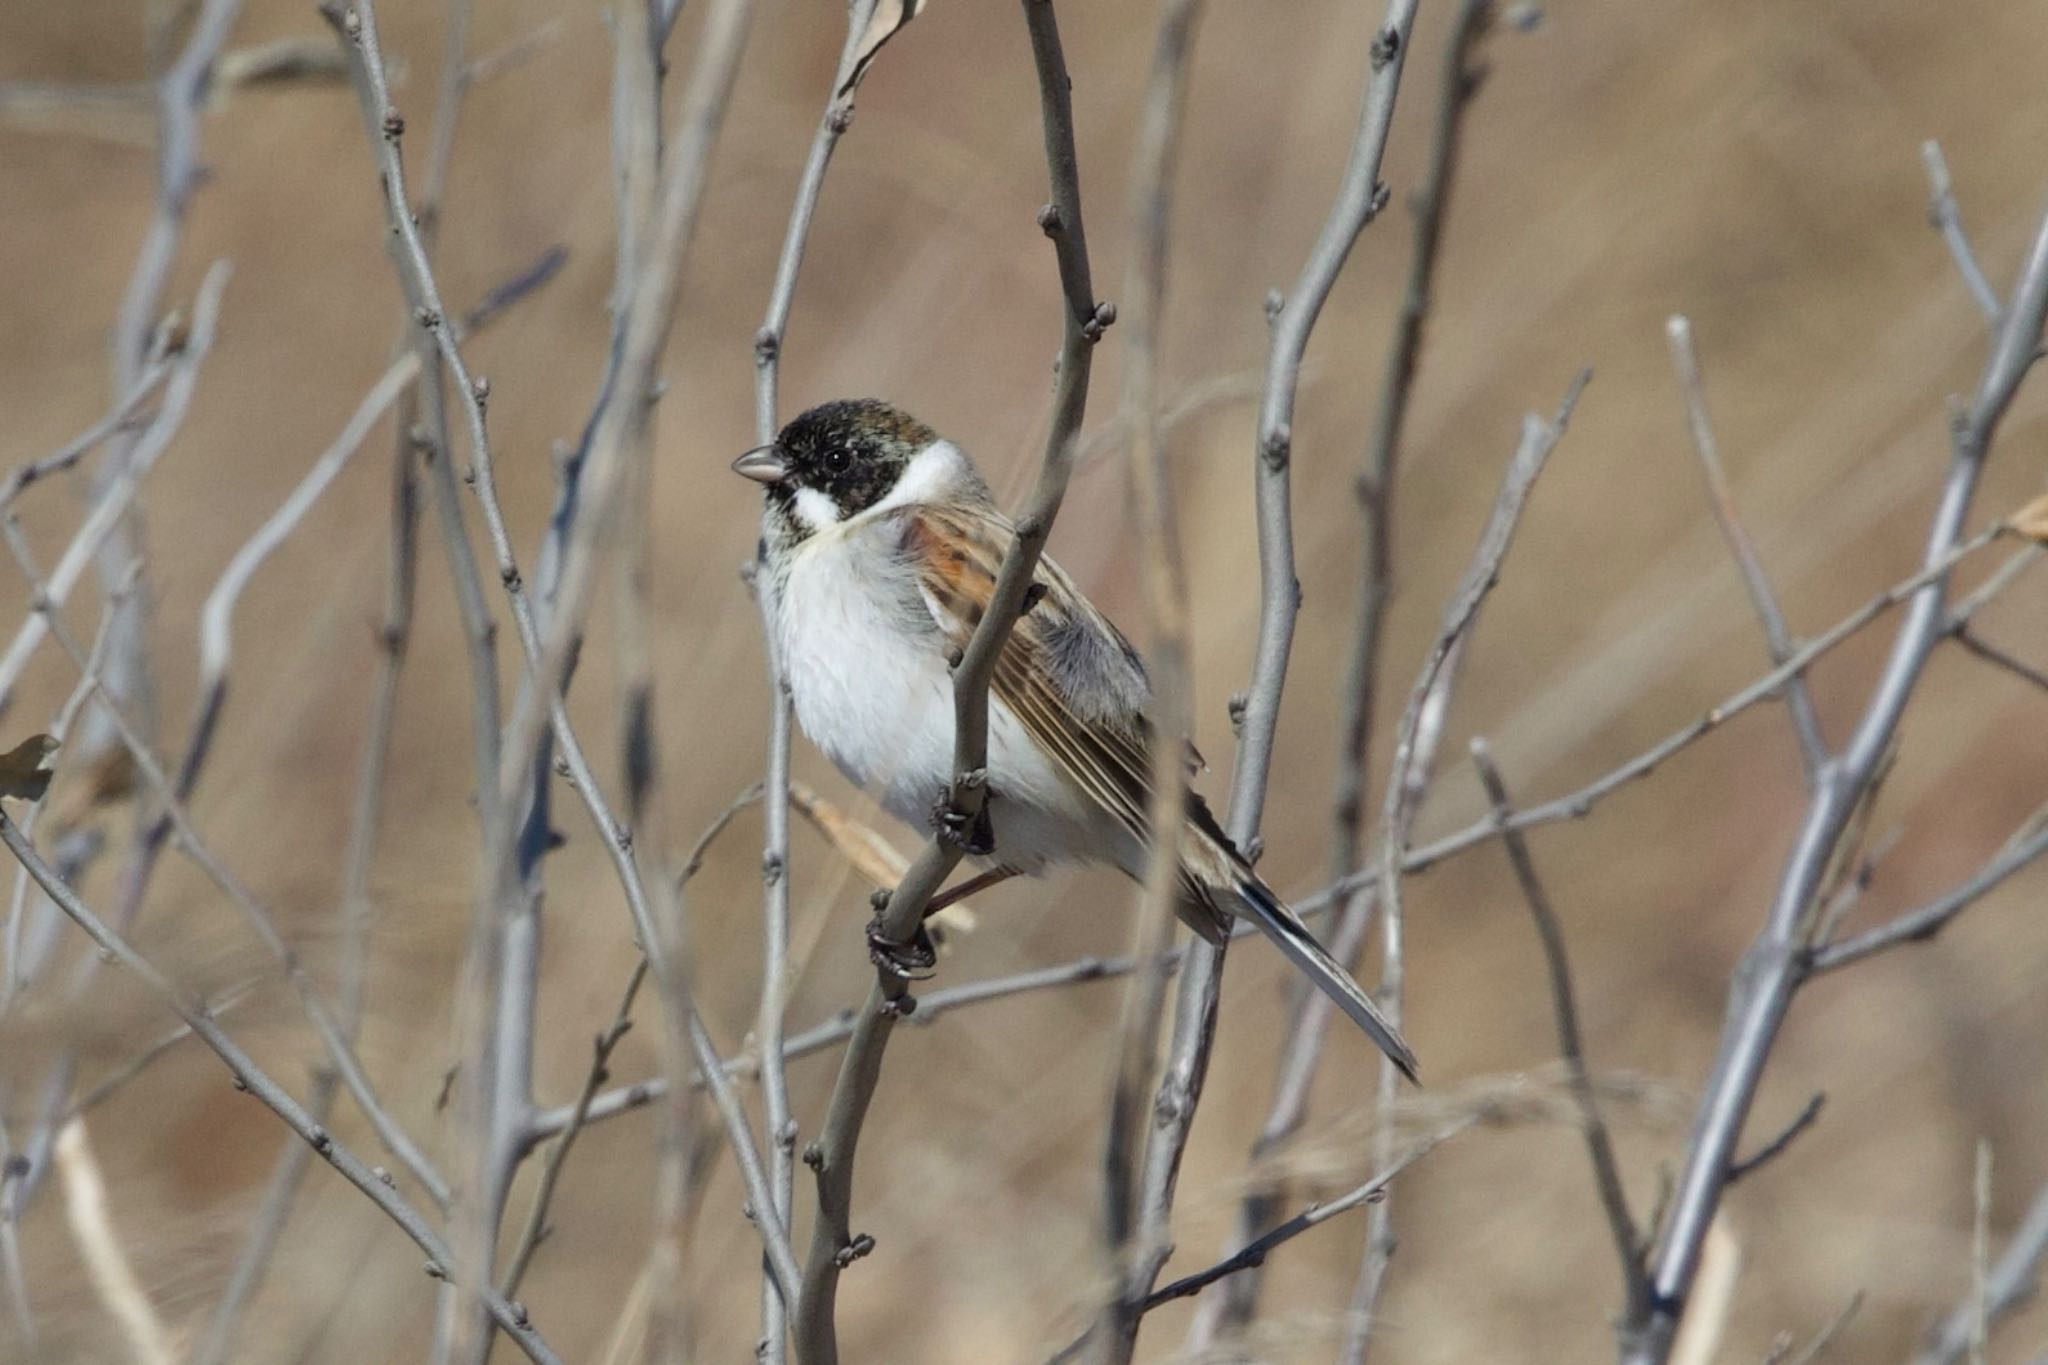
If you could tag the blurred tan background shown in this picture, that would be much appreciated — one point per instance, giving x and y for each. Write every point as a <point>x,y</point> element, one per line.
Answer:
<point>1753,165</point>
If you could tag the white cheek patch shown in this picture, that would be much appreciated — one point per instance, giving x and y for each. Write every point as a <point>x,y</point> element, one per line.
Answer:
<point>932,473</point>
<point>815,509</point>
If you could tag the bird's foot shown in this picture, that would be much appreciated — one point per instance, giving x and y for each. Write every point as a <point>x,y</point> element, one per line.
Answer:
<point>911,961</point>
<point>974,835</point>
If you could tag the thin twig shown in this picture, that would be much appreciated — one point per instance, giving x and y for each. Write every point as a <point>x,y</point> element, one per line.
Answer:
<point>216,640</point>
<point>578,1114</point>
<point>1628,1243</point>
<point>1778,961</point>
<point>112,501</point>
<point>930,1007</point>
<point>771,1017</point>
<point>1256,1251</point>
<point>1310,1011</point>
<point>833,1245</point>
<point>2009,1283</point>
<point>1360,195</point>
<point>11,1263</point>
<point>356,910</point>
<point>505,930</point>
<point>1166,603</point>
<point>1992,654</point>
<point>111,1083</point>
<point>537,1227</point>
<point>1577,804</point>
<point>260,919</point>
<point>1777,1146</point>
<point>181,96</point>
<point>2028,843</point>
<point>1813,744</point>
<point>1944,213</point>
<point>683,174</point>
<point>1980,1256</point>
<point>254,1080</point>
<point>1408,780</point>
<point>120,417</point>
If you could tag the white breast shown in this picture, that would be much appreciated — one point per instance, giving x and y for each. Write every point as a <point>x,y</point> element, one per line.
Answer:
<point>871,688</point>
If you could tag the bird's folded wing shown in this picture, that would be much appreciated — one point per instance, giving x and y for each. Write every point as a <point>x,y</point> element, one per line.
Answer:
<point>1065,672</point>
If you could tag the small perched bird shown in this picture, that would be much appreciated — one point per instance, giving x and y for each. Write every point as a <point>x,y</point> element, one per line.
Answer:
<point>880,546</point>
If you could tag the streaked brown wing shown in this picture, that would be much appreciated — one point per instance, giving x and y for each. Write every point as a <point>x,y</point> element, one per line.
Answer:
<point>1065,672</point>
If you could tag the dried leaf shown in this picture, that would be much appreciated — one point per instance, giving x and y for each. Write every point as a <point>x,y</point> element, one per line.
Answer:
<point>22,773</point>
<point>889,18</point>
<point>2031,521</point>
<point>874,857</point>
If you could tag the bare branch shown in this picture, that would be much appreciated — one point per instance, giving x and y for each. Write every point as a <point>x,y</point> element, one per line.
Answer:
<point>1576,804</point>
<point>2008,1284</point>
<point>1776,1147</point>
<point>257,1082</point>
<point>1813,744</point>
<point>537,1227</point>
<point>1166,602</point>
<point>1408,781</point>
<point>833,1244</point>
<point>259,917</point>
<point>216,618</point>
<point>1360,195</point>
<point>2028,843</point>
<point>357,910</point>
<point>112,501</point>
<point>1309,1017</point>
<point>542,702</point>
<point>1992,654</point>
<point>1628,1243</point>
<point>1255,1252</point>
<point>930,1007</point>
<point>770,1021</point>
<point>118,418</point>
<point>1777,962</point>
<point>181,94</point>
<point>1944,213</point>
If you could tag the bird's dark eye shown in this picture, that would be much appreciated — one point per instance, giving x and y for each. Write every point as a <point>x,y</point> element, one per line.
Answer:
<point>837,459</point>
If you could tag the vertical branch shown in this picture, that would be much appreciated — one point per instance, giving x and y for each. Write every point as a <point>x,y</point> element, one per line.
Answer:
<point>507,906</point>
<point>181,95</point>
<point>1628,1247</point>
<point>1359,198</point>
<point>638,69</point>
<point>357,909</point>
<point>586,516</point>
<point>504,949</point>
<point>1166,603</point>
<point>1778,961</point>
<point>1408,781</point>
<point>1309,1017</point>
<point>833,1243</point>
<point>769,1025</point>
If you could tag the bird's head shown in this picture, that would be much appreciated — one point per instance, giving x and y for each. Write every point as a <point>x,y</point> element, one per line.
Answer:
<point>844,458</point>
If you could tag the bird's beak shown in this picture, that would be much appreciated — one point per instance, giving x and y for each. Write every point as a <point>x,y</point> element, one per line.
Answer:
<point>763,464</point>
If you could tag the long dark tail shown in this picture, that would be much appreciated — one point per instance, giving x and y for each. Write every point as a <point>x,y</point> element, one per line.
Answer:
<point>1292,937</point>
